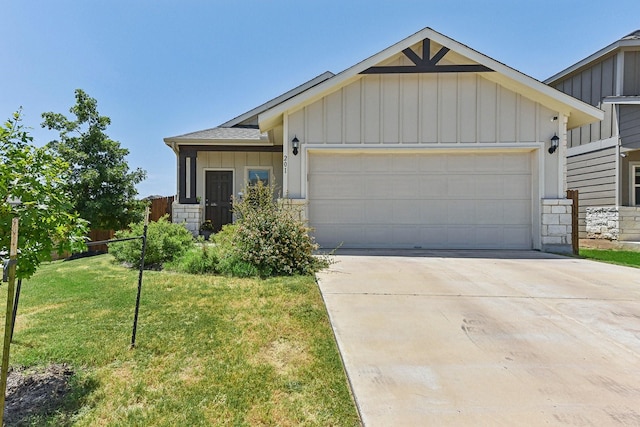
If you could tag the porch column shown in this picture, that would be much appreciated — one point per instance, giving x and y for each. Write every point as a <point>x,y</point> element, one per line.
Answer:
<point>187,177</point>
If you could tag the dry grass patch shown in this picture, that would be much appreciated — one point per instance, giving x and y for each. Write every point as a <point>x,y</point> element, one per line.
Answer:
<point>210,350</point>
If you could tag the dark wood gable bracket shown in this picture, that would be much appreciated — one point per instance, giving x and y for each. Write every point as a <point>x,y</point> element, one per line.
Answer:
<point>426,64</point>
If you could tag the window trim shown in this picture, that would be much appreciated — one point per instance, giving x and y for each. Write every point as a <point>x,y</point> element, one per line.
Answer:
<point>633,167</point>
<point>247,169</point>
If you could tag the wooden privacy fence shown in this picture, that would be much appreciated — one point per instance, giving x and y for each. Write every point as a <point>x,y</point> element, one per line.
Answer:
<point>159,207</point>
<point>98,236</point>
<point>575,243</point>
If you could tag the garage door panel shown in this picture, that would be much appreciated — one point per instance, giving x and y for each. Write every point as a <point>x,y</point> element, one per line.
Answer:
<point>433,213</point>
<point>517,185</point>
<point>516,212</point>
<point>338,186</point>
<point>462,237</point>
<point>460,164</point>
<point>403,164</point>
<point>489,186</point>
<point>461,212</point>
<point>434,237</point>
<point>406,211</point>
<point>516,162</point>
<point>517,237</point>
<point>490,212</point>
<point>435,201</point>
<point>378,187</point>
<point>460,186</point>
<point>374,235</point>
<point>431,187</point>
<point>380,164</point>
<point>431,164</point>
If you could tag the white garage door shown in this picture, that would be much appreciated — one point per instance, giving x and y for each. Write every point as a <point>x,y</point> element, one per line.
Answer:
<point>415,200</point>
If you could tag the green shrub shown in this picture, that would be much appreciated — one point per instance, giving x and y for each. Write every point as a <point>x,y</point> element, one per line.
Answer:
<point>269,236</point>
<point>166,241</point>
<point>198,260</point>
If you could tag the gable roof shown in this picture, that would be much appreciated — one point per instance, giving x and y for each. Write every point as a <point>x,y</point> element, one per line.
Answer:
<point>244,127</point>
<point>630,40</point>
<point>579,112</point>
<point>277,100</point>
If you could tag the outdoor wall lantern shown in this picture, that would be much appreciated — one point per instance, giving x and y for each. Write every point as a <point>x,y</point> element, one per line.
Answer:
<point>295,143</point>
<point>554,143</point>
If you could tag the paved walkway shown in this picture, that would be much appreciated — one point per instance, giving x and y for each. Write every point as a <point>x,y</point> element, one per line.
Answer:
<point>487,338</point>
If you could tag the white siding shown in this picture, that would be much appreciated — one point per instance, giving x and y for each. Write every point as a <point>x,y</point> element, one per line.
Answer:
<point>439,108</point>
<point>236,162</point>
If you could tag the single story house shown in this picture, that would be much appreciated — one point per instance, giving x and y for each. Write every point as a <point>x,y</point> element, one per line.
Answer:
<point>426,144</point>
<point>604,157</point>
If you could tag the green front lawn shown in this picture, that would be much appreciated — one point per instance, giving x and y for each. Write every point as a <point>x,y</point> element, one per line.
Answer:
<point>210,350</point>
<point>629,258</point>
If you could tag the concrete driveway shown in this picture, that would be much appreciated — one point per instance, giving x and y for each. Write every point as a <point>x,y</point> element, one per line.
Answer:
<point>487,338</point>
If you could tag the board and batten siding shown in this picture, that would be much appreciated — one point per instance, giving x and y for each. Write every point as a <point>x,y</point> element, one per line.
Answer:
<point>630,125</point>
<point>426,109</point>
<point>590,86</point>
<point>236,161</point>
<point>420,108</point>
<point>594,176</point>
<point>631,85</point>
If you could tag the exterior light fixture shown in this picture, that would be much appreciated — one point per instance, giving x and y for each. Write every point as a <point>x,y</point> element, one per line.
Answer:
<point>295,143</point>
<point>554,144</point>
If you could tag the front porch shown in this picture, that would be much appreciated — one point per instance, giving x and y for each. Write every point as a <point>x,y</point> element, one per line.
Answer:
<point>209,177</point>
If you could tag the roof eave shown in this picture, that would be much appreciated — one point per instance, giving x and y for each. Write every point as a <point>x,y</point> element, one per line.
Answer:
<point>602,53</point>
<point>200,141</point>
<point>579,112</point>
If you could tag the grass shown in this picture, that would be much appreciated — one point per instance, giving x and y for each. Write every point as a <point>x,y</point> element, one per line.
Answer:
<point>210,350</point>
<point>628,258</point>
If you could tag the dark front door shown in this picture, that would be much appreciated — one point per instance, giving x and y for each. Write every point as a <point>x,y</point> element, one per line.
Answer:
<point>218,192</point>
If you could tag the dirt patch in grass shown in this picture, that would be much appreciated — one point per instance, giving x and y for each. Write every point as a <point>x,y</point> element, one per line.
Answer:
<point>35,393</point>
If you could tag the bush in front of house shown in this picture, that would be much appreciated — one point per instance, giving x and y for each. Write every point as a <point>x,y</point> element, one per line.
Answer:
<point>201,259</point>
<point>268,235</point>
<point>166,241</point>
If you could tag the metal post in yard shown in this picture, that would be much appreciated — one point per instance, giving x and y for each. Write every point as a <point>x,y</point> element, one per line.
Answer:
<point>144,249</point>
<point>8,326</point>
<point>15,307</point>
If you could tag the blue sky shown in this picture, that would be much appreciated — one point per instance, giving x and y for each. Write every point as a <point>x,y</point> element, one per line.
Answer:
<point>163,68</point>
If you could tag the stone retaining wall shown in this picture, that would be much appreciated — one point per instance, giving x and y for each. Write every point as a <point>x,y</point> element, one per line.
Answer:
<point>602,222</point>
<point>629,225</point>
<point>613,223</point>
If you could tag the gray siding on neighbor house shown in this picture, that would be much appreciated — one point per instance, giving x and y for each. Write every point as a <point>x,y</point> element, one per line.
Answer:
<point>630,125</point>
<point>594,176</point>
<point>590,86</point>
<point>631,74</point>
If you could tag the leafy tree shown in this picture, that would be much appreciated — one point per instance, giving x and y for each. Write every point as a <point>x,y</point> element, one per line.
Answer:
<point>102,186</point>
<point>35,178</point>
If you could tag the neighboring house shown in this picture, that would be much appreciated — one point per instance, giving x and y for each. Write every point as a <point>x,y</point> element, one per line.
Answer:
<point>604,157</point>
<point>427,144</point>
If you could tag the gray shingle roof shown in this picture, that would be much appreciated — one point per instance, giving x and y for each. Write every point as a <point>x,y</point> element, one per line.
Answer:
<point>220,133</point>
<point>633,36</point>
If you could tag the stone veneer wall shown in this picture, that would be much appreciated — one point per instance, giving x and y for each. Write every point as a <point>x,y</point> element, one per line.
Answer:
<point>629,223</point>
<point>613,223</point>
<point>190,215</point>
<point>602,222</point>
<point>556,225</point>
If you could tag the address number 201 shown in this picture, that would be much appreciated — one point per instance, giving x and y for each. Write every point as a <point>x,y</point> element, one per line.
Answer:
<point>285,163</point>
